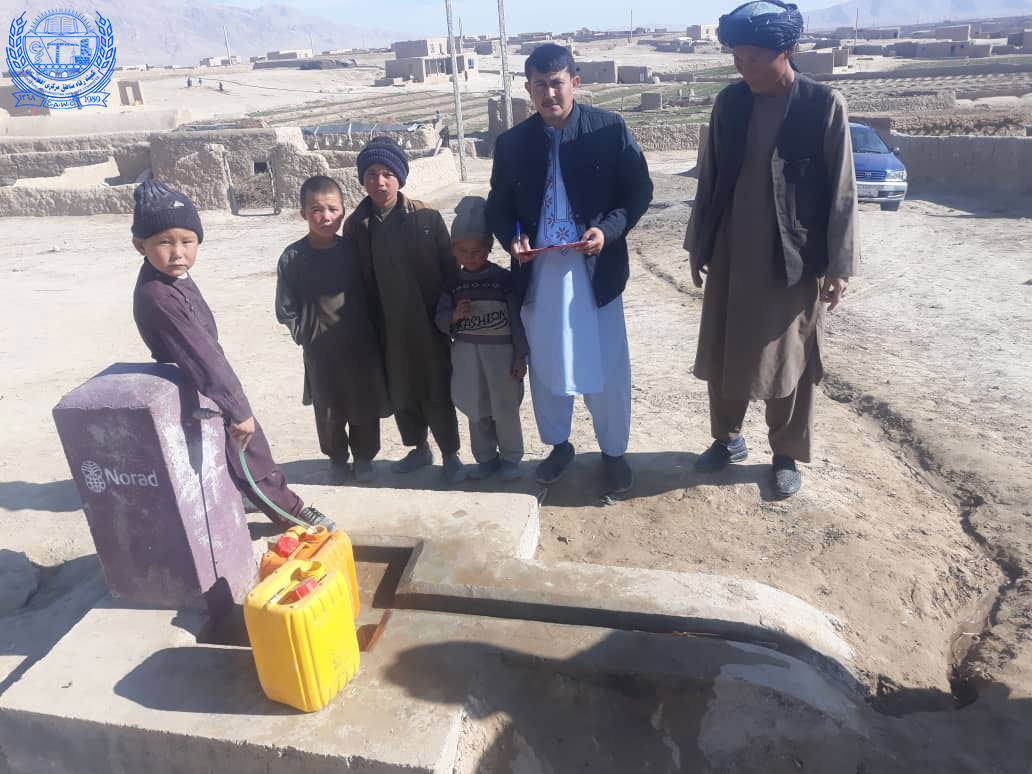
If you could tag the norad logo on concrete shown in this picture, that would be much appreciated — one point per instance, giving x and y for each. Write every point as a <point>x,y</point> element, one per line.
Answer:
<point>97,478</point>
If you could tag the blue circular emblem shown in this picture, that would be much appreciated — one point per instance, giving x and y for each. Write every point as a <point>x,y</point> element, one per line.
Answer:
<point>61,60</point>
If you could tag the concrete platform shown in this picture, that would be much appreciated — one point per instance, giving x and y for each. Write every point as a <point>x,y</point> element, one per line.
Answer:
<point>130,690</point>
<point>506,664</point>
<point>484,523</point>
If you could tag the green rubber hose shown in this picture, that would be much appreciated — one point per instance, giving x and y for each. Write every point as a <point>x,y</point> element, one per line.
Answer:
<point>266,500</point>
<point>207,413</point>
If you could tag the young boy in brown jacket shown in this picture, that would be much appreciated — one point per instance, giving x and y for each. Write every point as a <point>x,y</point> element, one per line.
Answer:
<point>405,251</point>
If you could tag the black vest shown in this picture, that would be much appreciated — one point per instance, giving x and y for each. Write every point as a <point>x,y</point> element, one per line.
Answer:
<point>802,194</point>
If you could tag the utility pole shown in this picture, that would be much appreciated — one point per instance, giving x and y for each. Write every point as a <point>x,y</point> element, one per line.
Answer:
<point>455,88</point>
<point>856,30</point>
<point>506,80</point>
<point>225,35</point>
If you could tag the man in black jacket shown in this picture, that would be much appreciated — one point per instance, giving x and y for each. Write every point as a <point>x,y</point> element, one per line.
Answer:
<point>571,174</point>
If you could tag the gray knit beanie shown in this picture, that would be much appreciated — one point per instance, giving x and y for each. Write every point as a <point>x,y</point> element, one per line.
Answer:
<point>159,207</point>
<point>384,150</point>
<point>471,220</point>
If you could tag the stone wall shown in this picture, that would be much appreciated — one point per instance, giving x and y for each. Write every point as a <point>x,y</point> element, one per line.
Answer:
<point>956,32</point>
<point>665,137</point>
<point>197,164</point>
<point>686,76</point>
<point>633,74</point>
<point>82,142</point>
<point>597,72</point>
<point>49,163</point>
<point>981,124</point>
<point>132,161</point>
<point>815,62</point>
<point>244,148</point>
<point>46,202</point>
<point>902,102</point>
<point>954,50</point>
<point>428,174</point>
<point>420,138</point>
<point>967,164</point>
<point>935,71</point>
<point>522,109</point>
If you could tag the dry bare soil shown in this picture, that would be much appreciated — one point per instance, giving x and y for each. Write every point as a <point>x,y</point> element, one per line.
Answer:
<point>914,524</point>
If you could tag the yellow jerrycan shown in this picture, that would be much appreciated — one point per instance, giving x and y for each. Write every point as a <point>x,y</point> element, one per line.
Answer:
<point>302,630</point>
<point>333,549</point>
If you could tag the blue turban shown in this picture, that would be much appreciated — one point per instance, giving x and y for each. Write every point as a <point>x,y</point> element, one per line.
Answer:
<point>766,24</point>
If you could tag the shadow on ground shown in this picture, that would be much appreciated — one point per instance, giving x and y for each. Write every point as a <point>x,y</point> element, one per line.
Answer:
<point>624,705</point>
<point>582,484</point>
<point>208,679</point>
<point>595,711</point>
<point>53,496</point>
<point>64,595</point>
<point>967,206</point>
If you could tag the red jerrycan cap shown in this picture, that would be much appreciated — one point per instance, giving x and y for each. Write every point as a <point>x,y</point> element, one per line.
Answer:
<point>302,590</point>
<point>286,545</point>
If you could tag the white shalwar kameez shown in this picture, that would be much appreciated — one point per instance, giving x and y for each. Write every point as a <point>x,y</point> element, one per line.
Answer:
<point>576,348</point>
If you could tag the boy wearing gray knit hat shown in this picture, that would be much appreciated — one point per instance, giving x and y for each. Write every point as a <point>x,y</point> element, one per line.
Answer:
<point>178,327</point>
<point>480,313</point>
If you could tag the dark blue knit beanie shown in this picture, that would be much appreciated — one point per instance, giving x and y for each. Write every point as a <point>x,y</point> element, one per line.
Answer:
<point>159,207</point>
<point>384,150</point>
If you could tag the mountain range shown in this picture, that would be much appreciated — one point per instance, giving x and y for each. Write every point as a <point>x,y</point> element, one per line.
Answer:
<point>898,12</point>
<point>184,33</point>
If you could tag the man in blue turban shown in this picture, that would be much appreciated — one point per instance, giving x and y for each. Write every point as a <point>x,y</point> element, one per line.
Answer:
<point>773,232</point>
<point>771,25</point>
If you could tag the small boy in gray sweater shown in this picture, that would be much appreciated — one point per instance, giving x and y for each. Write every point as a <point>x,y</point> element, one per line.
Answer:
<point>481,314</point>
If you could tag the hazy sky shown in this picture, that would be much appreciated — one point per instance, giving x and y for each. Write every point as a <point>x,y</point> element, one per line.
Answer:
<point>426,17</point>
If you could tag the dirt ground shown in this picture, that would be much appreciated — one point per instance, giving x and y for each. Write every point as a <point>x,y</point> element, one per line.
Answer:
<point>914,524</point>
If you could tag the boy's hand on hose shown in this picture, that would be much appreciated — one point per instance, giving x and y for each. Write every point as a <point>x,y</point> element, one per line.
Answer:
<point>463,311</point>
<point>519,368</point>
<point>242,432</point>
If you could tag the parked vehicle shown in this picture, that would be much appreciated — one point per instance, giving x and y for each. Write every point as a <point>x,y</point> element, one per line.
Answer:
<point>880,176</point>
